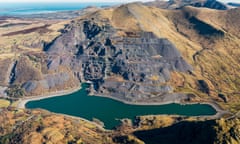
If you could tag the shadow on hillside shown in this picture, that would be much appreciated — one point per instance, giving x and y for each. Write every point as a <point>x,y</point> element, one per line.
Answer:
<point>181,133</point>
<point>204,28</point>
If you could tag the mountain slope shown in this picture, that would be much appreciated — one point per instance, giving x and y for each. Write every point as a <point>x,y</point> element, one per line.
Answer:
<point>139,54</point>
<point>178,4</point>
<point>197,132</point>
<point>37,127</point>
<point>133,53</point>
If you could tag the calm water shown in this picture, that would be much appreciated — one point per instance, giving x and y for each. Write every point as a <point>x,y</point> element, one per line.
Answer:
<point>108,110</point>
<point>11,9</point>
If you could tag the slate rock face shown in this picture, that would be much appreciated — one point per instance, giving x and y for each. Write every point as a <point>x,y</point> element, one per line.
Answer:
<point>90,29</point>
<point>49,81</point>
<point>52,81</point>
<point>137,60</point>
<point>96,54</point>
<point>53,63</point>
<point>29,86</point>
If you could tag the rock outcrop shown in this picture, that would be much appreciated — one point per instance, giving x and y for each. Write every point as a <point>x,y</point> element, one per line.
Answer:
<point>142,60</point>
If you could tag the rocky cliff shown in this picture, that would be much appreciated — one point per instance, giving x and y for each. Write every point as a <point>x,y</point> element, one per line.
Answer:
<point>99,55</point>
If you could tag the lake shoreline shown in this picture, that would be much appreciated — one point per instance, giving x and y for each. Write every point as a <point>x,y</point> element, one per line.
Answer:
<point>22,103</point>
<point>219,111</point>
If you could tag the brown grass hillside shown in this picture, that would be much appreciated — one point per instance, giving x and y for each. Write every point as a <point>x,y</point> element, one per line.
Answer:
<point>208,39</point>
<point>38,126</point>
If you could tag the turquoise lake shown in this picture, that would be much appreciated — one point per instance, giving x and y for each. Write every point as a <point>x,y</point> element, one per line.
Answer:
<point>109,111</point>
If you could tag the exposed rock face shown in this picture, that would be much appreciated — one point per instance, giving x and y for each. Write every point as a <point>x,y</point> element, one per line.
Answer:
<point>91,29</point>
<point>20,69</point>
<point>173,56</point>
<point>52,81</point>
<point>137,53</point>
<point>29,86</point>
<point>96,54</point>
<point>7,71</point>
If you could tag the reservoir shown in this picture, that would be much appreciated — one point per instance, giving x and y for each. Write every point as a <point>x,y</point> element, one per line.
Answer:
<point>110,111</point>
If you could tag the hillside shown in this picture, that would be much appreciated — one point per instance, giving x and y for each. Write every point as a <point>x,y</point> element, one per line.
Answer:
<point>148,54</point>
<point>178,4</point>
<point>134,53</point>
<point>37,127</point>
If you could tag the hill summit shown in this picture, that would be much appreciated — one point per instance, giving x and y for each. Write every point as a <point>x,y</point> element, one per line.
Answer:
<point>177,4</point>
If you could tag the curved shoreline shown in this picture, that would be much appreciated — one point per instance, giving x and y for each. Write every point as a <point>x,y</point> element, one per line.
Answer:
<point>219,111</point>
<point>22,102</point>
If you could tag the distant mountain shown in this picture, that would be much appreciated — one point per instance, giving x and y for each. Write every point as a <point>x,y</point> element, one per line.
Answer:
<point>176,4</point>
<point>234,4</point>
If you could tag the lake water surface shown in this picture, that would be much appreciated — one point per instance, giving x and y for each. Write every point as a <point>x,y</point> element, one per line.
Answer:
<point>108,111</point>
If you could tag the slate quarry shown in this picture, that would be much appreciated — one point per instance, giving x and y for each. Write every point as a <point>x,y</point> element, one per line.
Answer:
<point>96,54</point>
